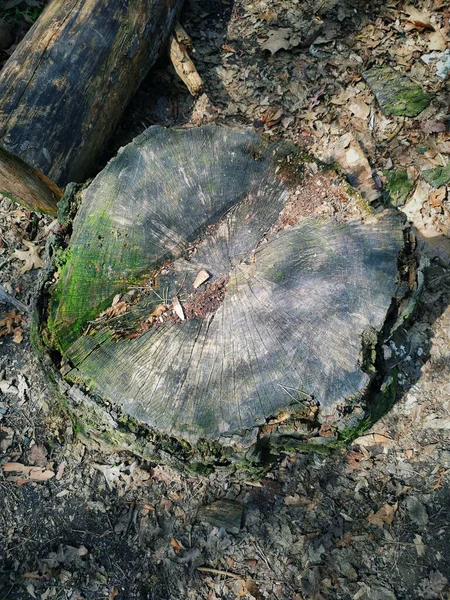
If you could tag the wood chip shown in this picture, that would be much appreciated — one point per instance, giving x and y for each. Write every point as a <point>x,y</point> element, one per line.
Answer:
<point>178,308</point>
<point>202,277</point>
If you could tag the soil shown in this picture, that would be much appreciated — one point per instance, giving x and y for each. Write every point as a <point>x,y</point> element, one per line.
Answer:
<point>368,522</point>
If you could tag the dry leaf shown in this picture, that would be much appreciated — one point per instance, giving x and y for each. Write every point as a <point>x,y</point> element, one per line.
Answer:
<point>18,335</point>
<point>420,546</point>
<point>178,308</point>
<point>176,545</point>
<point>438,40</point>
<point>280,39</point>
<point>159,310</point>
<point>38,455</point>
<point>373,438</point>
<point>30,257</point>
<point>165,474</point>
<point>417,19</point>
<point>60,470</point>
<point>10,319</point>
<point>113,593</point>
<point>111,473</point>
<point>116,309</point>
<point>360,109</point>
<point>29,473</point>
<point>384,515</point>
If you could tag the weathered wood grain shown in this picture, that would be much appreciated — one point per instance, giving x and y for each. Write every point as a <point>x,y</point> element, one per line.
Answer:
<point>297,303</point>
<point>67,84</point>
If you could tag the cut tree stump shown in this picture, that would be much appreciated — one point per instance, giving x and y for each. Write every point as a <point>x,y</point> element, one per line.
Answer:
<point>66,86</point>
<point>279,334</point>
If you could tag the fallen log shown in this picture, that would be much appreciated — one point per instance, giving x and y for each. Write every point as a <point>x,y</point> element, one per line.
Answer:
<point>66,86</point>
<point>205,309</point>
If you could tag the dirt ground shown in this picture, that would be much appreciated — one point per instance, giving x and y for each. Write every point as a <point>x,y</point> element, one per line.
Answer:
<point>371,522</point>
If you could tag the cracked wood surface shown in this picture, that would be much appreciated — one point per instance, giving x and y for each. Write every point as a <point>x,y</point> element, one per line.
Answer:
<point>68,82</point>
<point>296,305</point>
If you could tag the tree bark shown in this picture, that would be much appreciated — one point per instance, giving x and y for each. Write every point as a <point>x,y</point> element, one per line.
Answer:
<point>67,84</point>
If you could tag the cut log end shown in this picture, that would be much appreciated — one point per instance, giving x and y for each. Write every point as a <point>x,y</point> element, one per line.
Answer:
<point>269,344</point>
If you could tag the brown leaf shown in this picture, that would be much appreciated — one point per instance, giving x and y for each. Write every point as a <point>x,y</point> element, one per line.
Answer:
<point>385,515</point>
<point>280,39</point>
<point>159,310</point>
<point>176,545</point>
<point>371,439</point>
<point>60,470</point>
<point>38,455</point>
<point>18,335</point>
<point>438,40</point>
<point>115,310</point>
<point>30,257</point>
<point>113,593</point>
<point>165,474</point>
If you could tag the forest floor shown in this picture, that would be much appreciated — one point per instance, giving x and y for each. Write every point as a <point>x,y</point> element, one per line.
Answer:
<point>371,522</point>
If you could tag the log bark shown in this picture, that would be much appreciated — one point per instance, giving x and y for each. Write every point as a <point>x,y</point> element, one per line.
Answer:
<point>67,84</point>
<point>282,329</point>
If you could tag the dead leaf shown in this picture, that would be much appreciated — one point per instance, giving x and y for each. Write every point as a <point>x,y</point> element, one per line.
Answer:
<point>384,515</point>
<point>178,308</point>
<point>280,39</point>
<point>113,593</point>
<point>110,472</point>
<point>7,388</point>
<point>438,40</point>
<point>371,439</point>
<point>9,322</point>
<point>30,257</point>
<point>176,545</point>
<point>359,108</point>
<point>18,335</point>
<point>165,474</point>
<point>417,19</point>
<point>38,455</point>
<point>60,470</point>
<point>159,310</point>
<point>6,438</point>
<point>115,310</point>
<point>420,546</point>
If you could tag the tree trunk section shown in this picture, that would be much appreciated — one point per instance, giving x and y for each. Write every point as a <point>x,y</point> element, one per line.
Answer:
<point>201,300</point>
<point>22,183</point>
<point>67,84</point>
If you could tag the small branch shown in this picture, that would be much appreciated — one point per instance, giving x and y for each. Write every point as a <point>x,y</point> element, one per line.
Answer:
<point>180,46</point>
<point>219,572</point>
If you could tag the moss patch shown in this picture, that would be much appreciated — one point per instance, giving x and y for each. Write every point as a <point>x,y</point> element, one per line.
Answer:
<point>438,176</point>
<point>396,94</point>
<point>399,186</point>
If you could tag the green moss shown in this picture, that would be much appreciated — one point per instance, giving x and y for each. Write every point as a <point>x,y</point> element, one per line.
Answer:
<point>398,186</point>
<point>438,176</point>
<point>396,94</point>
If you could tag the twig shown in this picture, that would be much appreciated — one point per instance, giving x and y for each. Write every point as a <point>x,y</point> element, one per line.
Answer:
<point>219,572</point>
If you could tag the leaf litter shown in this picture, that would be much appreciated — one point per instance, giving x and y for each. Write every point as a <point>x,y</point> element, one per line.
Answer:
<point>346,526</point>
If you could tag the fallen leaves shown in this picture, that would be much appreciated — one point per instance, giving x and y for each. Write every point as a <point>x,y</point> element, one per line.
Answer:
<point>116,309</point>
<point>10,324</point>
<point>280,39</point>
<point>384,515</point>
<point>28,473</point>
<point>30,257</point>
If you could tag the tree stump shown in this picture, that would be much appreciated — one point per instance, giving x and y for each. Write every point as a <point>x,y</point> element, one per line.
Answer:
<point>202,309</point>
<point>66,86</point>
